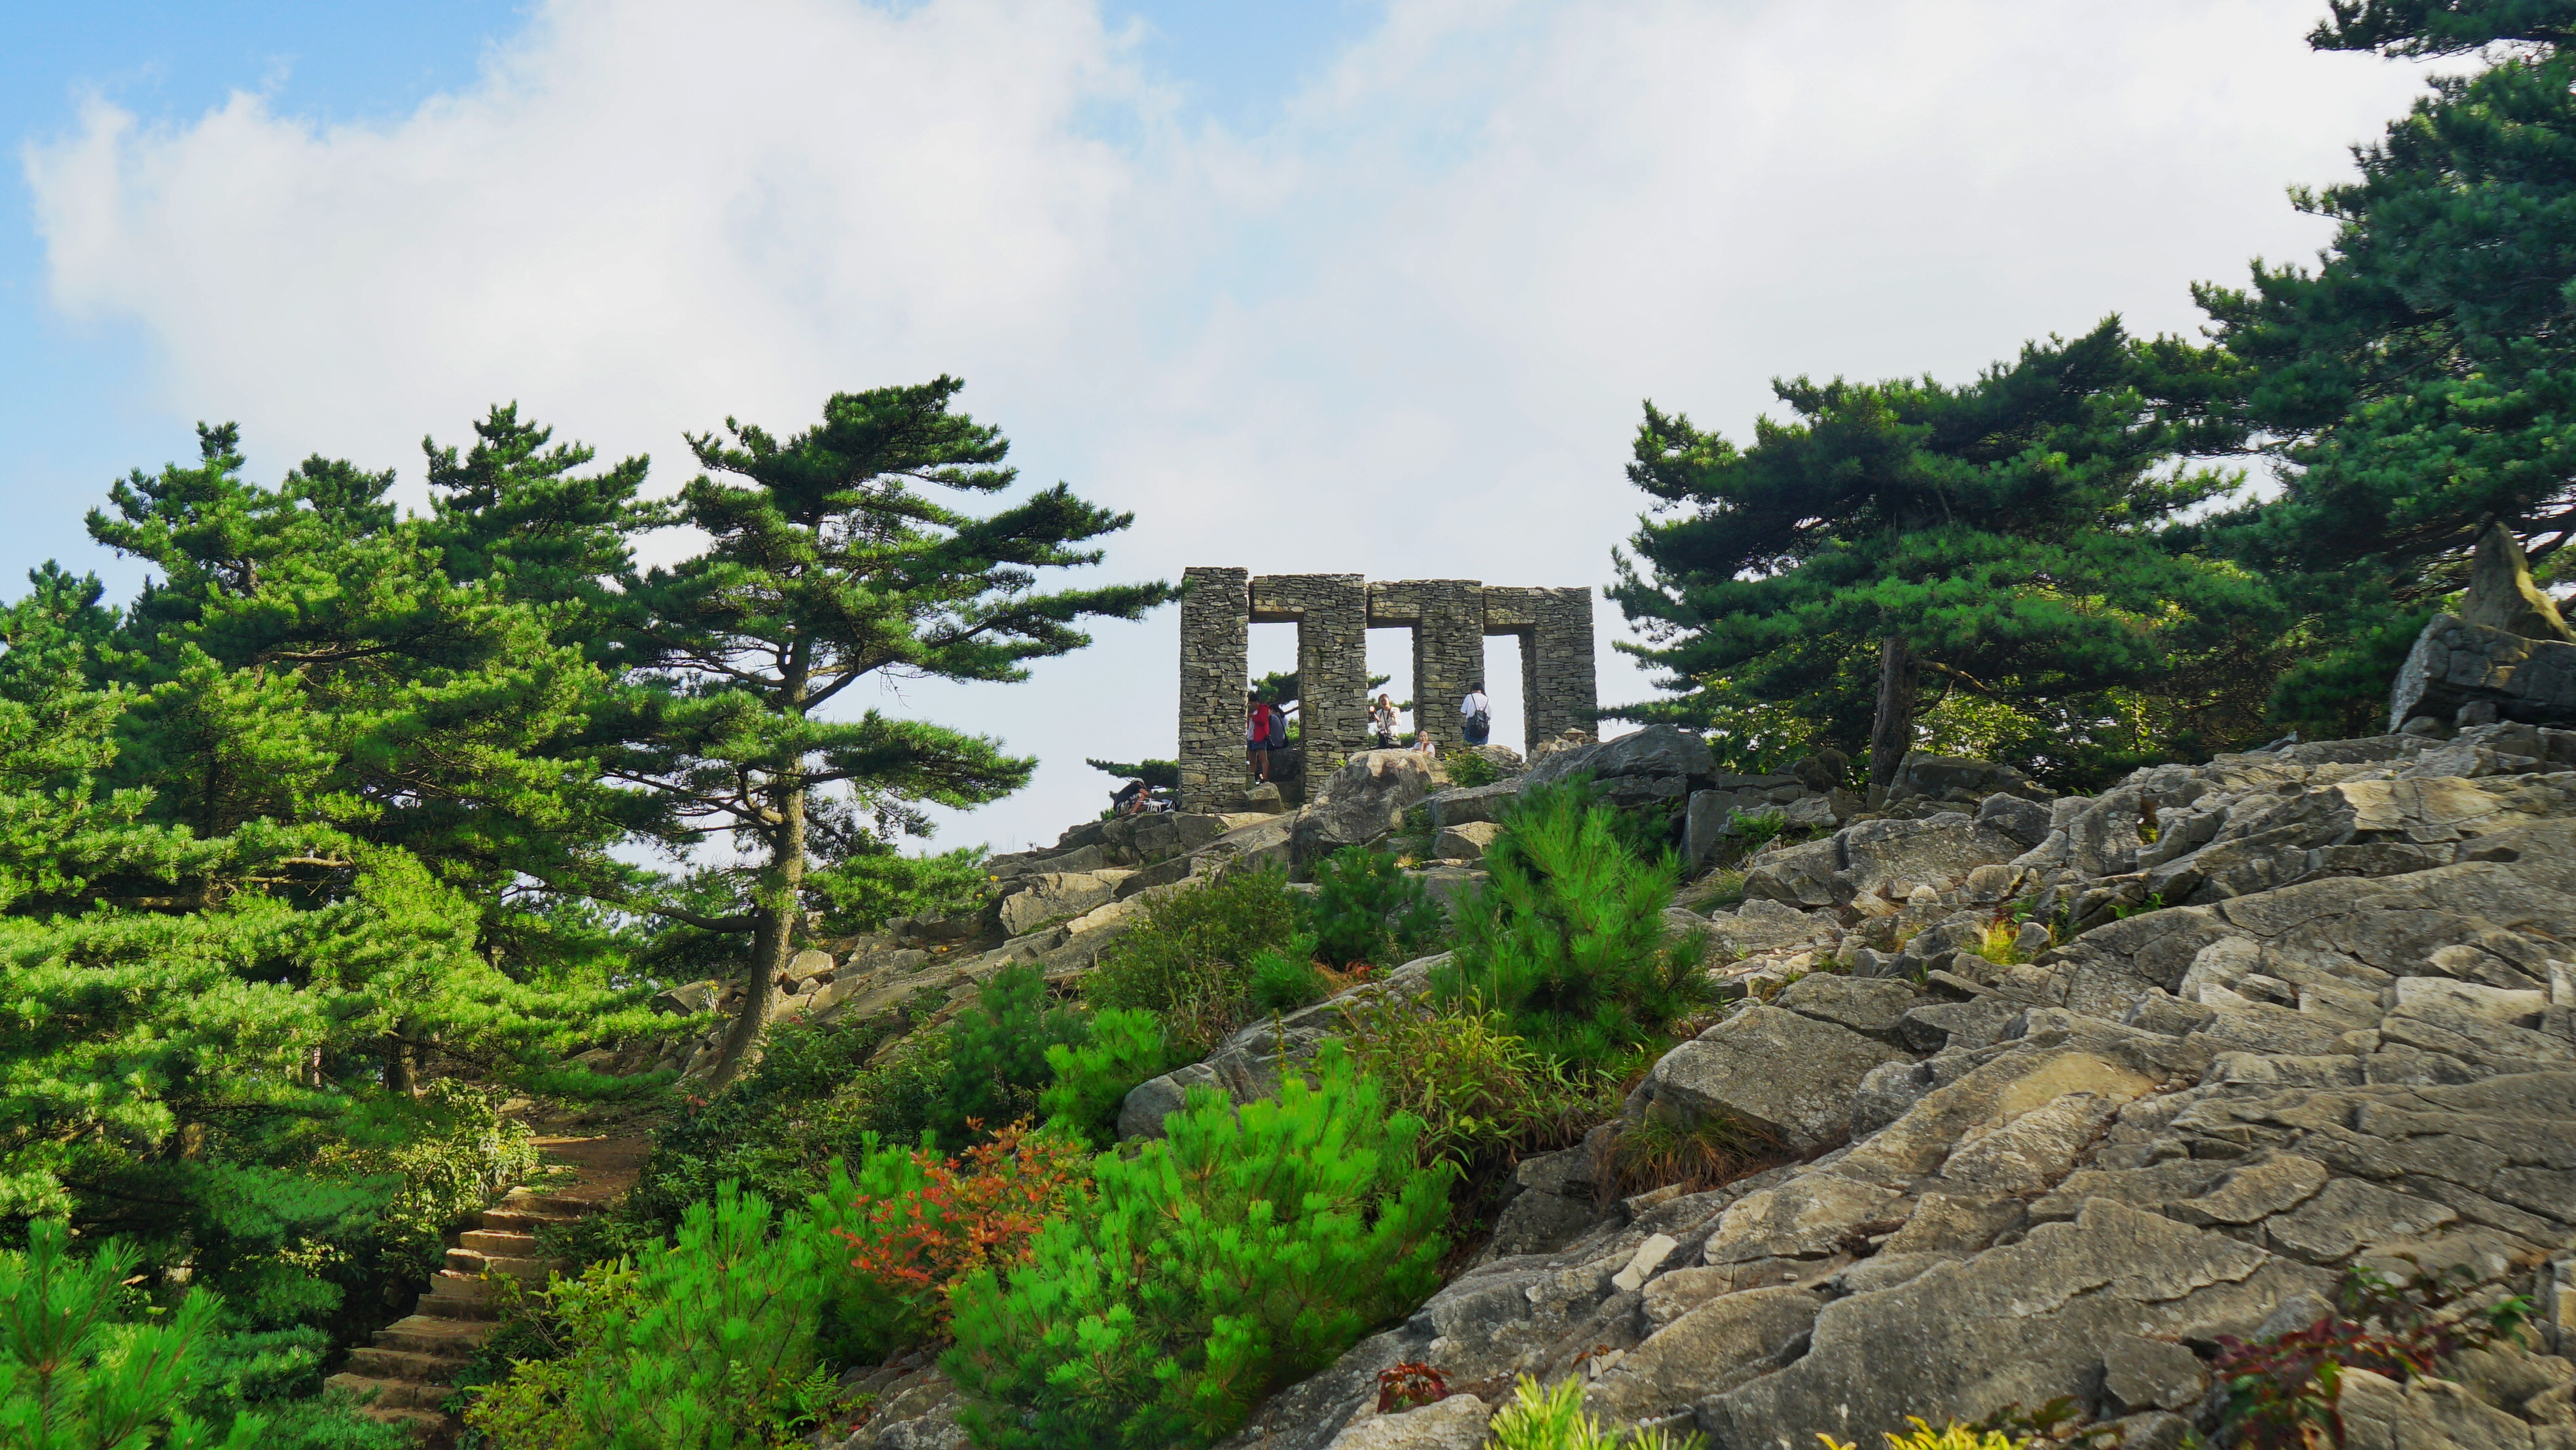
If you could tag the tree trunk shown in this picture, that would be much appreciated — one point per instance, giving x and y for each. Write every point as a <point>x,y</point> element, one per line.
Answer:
<point>1891,734</point>
<point>402,1070</point>
<point>780,898</point>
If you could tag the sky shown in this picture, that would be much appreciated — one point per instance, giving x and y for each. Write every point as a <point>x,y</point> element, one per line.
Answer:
<point>1338,286</point>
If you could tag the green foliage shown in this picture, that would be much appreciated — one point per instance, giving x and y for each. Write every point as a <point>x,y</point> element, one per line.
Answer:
<point>1240,1253</point>
<point>2413,381</point>
<point>875,884</point>
<point>1704,1151</point>
<point>74,1376</point>
<point>830,559</point>
<point>1484,1095</point>
<point>1952,1436</point>
<point>1466,768</point>
<point>997,1054</point>
<point>1285,980</point>
<point>1567,937</point>
<point>2001,537</point>
<point>1554,1419</point>
<point>1127,1046</point>
<point>1188,961</point>
<point>1369,910</point>
<point>451,1154</point>
<point>710,1342</point>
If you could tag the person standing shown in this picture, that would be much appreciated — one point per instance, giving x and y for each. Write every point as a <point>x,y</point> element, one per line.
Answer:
<point>1382,718</point>
<point>1476,714</point>
<point>1256,736</point>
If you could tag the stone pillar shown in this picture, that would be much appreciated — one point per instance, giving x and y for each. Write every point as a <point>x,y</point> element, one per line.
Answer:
<point>1447,617</point>
<point>1216,619</point>
<point>1331,615</point>
<point>1556,666</point>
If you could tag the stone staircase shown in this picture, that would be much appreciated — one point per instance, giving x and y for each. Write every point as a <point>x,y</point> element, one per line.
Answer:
<point>409,1371</point>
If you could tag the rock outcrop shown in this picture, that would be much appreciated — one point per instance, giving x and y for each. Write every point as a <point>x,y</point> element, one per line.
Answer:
<point>2272,1018</point>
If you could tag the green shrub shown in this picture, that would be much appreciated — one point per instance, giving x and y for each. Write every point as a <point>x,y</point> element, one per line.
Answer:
<point>1368,909</point>
<point>1092,1080</point>
<point>710,1342</point>
<point>1244,1251</point>
<point>1283,981</point>
<point>1553,1419</point>
<point>1484,1095</point>
<point>74,1376</point>
<point>1566,938</point>
<point>1189,960</point>
<point>452,1153</point>
<point>997,1054</point>
<point>810,1100</point>
<point>1466,768</point>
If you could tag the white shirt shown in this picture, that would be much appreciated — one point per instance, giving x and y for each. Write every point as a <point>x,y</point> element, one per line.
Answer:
<point>1474,703</point>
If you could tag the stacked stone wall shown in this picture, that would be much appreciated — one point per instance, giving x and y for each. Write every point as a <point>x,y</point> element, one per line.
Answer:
<point>1450,620</point>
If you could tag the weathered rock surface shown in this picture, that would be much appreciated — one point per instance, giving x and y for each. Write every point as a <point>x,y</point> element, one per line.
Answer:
<point>1359,803</point>
<point>2268,1018</point>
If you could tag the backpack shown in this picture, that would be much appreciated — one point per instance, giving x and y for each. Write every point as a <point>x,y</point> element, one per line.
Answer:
<point>1278,736</point>
<point>1481,720</point>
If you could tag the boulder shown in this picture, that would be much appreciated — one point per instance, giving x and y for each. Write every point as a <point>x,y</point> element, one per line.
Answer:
<point>2456,665</point>
<point>2501,594</point>
<point>1804,876</point>
<point>1776,1070</point>
<point>1713,1347</point>
<point>1923,780</point>
<point>1455,1423</point>
<point>1358,803</point>
<point>688,1000</point>
<point>1664,751</point>
<point>1467,842</point>
<point>1047,896</point>
<point>1939,852</point>
<point>1873,1009</point>
<point>2019,817</point>
<point>1468,804</point>
<point>1449,885</point>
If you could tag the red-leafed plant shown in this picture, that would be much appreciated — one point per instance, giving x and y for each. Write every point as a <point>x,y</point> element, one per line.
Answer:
<point>917,1223</point>
<point>2285,1392</point>
<point>1408,1385</point>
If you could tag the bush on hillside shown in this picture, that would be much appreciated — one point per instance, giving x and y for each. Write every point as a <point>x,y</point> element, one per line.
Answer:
<point>997,1054</point>
<point>709,1342</point>
<point>1484,1095</point>
<point>1242,1252</point>
<point>1091,1080</point>
<point>1368,909</point>
<point>1189,960</point>
<point>1554,1419</point>
<point>1567,936</point>
<point>916,1224</point>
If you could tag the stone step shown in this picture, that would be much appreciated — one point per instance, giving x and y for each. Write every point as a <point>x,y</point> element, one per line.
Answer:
<point>470,1261</point>
<point>435,1336</point>
<point>375,1361</point>
<point>430,1429</point>
<point>499,1241</point>
<point>392,1394</point>
<point>528,1200</point>
<point>517,1220</point>
<point>458,1296</point>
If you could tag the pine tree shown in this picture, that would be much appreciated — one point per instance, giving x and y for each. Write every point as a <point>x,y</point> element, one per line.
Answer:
<point>831,562</point>
<point>2000,536</point>
<point>2419,378</point>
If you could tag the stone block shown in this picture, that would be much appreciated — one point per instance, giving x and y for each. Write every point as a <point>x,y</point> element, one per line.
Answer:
<point>1774,1069</point>
<point>1467,842</point>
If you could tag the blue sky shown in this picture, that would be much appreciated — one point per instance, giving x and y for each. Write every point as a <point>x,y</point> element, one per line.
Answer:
<point>1317,287</point>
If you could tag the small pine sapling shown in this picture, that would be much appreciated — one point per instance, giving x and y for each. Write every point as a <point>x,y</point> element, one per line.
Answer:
<point>73,1376</point>
<point>1369,909</point>
<point>1241,1252</point>
<point>1092,1080</point>
<point>1567,938</point>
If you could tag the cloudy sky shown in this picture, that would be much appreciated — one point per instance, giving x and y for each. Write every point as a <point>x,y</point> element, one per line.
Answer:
<point>1310,285</point>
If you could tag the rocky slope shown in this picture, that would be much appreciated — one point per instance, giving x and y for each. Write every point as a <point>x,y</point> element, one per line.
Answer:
<point>2267,1019</point>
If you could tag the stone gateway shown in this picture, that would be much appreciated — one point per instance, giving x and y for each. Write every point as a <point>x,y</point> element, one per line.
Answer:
<point>1450,620</point>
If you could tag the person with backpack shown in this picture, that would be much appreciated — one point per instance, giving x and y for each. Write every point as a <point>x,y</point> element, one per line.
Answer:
<point>1265,729</point>
<point>1477,714</point>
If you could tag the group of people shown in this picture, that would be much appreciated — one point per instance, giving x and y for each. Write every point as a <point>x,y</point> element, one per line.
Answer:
<point>1265,726</point>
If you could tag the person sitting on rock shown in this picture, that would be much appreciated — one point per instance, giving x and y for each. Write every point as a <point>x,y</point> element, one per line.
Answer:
<point>1422,743</point>
<point>1476,714</point>
<point>1129,799</point>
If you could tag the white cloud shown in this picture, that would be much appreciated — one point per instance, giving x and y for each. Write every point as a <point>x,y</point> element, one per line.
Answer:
<point>1403,332</point>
